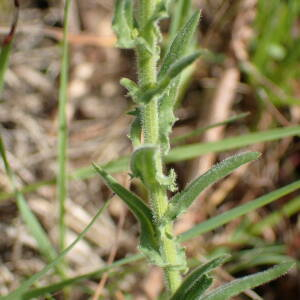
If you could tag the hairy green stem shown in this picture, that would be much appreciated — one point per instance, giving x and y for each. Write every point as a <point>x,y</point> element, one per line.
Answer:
<point>147,64</point>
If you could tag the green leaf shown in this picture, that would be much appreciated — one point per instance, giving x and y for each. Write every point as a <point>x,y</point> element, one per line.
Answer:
<point>136,129</point>
<point>182,201</point>
<point>169,86</point>
<point>148,239</point>
<point>132,88</point>
<point>144,165</point>
<point>180,44</point>
<point>123,24</point>
<point>195,279</point>
<point>201,285</point>
<point>175,69</point>
<point>241,210</point>
<point>17,294</point>
<point>248,282</point>
<point>166,116</point>
<point>178,66</point>
<point>161,12</point>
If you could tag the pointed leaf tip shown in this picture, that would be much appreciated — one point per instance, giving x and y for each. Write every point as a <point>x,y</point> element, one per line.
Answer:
<point>240,285</point>
<point>180,43</point>
<point>181,201</point>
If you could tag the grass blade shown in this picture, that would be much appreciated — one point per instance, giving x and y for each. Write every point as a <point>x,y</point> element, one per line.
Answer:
<point>199,131</point>
<point>287,210</point>
<point>52,288</point>
<point>32,223</point>
<point>177,154</point>
<point>17,294</point>
<point>241,210</point>
<point>63,130</point>
<point>191,151</point>
<point>248,282</point>
<point>119,165</point>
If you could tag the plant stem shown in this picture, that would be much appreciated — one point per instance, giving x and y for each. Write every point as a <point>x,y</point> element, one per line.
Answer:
<point>147,64</point>
<point>63,132</point>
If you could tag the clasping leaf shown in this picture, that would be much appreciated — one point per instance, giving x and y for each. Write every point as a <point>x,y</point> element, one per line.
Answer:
<point>123,24</point>
<point>136,128</point>
<point>148,240</point>
<point>197,281</point>
<point>144,165</point>
<point>175,69</point>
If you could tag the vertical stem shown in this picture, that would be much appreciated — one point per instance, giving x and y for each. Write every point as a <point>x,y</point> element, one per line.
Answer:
<point>63,131</point>
<point>147,64</point>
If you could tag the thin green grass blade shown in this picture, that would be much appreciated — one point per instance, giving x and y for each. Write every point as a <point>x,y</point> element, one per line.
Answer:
<point>6,46</point>
<point>18,293</point>
<point>114,166</point>
<point>201,130</point>
<point>261,260</point>
<point>177,154</point>
<point>194,150</point>
<point>32,223</point>
<point>193,278</point>
<point>52,288</point>
<point>248,282</point>
<point>287,210</point>
<point>261,255</point>
<point>183,200</point>
<point>62,182</point>
<point>241,210</point>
